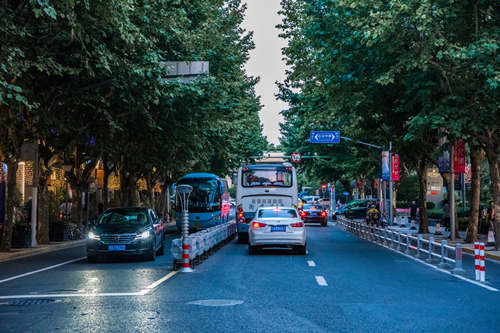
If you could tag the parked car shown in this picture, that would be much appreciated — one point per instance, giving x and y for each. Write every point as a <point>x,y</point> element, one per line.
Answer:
<point>314,213</point>
<point>354,207</point>
<point>277,227</point>
<point>133,231</point>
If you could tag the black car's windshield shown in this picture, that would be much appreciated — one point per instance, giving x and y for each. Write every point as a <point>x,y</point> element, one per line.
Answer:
<point>124,216</point>
<point>277,212</point>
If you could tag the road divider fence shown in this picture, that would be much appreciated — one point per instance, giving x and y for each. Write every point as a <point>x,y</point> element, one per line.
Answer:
<point>202,244</point>
<point>439,253</point>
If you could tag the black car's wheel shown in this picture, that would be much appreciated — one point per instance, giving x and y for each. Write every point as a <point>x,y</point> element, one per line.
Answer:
<point>152,255</point>
<point>91,258</point>
<point>161,250</point>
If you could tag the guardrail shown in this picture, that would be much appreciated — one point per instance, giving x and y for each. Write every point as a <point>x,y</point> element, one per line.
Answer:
<point>444,255</point>
<point>202,244</point>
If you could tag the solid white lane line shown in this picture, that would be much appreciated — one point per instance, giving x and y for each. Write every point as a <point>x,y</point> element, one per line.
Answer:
<point>41,270</point>
<point>155,284</point>
<point>311,263</point>
<point>143,292</point>
<point>321,280</point>
<point>140,293</point>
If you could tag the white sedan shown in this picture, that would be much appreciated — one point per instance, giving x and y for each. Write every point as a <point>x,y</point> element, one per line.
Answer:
<point>277,227</point>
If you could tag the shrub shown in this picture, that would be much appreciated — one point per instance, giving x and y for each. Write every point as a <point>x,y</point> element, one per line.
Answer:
<point>431,205</point>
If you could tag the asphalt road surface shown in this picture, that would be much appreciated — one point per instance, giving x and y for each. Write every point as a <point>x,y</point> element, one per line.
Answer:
<point>343,284</point>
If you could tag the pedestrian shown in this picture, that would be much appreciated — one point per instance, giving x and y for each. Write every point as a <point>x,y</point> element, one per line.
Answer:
<point>491,215</point>
<point>483,220</point>
<point>446,215</point>
<point>65,210</point>
<point>413,211</point>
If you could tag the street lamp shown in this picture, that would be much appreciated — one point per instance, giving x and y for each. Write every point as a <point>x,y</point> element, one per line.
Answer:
<point>183,192</point>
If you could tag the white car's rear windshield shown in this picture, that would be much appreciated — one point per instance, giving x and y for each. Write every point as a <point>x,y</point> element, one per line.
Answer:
<point>270,213</point>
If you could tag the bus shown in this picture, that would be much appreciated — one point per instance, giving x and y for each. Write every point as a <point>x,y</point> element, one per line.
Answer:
<point>261,185</point>
<point>208,202</point>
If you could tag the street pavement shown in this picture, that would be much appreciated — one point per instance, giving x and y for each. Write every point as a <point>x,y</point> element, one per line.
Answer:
<point>343,284</point>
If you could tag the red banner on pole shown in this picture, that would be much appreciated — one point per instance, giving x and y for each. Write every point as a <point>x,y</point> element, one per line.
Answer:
<point>459,157</point>
<point>395,167</point>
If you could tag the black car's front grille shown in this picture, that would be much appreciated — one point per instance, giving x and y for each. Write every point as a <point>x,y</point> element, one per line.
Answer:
<point>117,238</point>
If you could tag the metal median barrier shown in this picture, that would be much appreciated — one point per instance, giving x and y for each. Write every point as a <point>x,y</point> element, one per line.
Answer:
<point>202,244</point>
<point>440,253</point>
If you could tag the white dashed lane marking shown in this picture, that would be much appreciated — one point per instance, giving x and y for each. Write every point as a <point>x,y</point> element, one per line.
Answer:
<point>311,263</point>
<point>321,281</point>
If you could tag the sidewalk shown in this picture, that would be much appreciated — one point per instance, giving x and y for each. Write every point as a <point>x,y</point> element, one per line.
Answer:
<point>490,252</point>
<point>42,248</point>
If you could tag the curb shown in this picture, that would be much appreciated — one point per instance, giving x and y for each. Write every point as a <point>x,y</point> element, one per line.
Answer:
<point>24,253</point>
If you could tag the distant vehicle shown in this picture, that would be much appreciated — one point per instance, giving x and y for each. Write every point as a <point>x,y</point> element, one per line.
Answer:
<point>355,209</point>
<point>261,185</point>
<point>209,203</point>
<point>314,213</point>
<point>277,227</point>
<point>126,231</point>
<point>310,198</point>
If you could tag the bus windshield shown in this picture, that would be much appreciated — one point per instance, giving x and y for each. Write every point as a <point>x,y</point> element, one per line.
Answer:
<point>267,177</point>
<point>205,196</point>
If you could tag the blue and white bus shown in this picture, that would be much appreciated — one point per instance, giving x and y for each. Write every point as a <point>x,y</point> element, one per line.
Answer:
<point>208,203</point>
<point>262,185</point>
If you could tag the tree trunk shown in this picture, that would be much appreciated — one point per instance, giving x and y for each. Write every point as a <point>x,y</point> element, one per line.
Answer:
<point>76,204</point>
<point>422,196</point>
<point>105,191</point>
<point>493,163</point>
<point>476,156</point>
<point>43,215</point>
<point>11,199</point>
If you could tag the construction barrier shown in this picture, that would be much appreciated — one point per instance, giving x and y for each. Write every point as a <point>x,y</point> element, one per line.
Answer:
<point>201,244</point>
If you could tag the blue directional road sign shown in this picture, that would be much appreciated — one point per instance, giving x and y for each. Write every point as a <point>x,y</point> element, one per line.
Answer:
<point>324,137</point>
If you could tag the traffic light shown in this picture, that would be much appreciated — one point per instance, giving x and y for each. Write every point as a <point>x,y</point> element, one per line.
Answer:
<point>323,187</point>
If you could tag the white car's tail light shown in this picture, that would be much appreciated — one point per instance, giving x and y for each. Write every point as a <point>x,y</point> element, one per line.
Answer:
<point>257,225</point>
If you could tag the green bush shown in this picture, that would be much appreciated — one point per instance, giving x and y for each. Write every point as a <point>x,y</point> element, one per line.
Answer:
<point>463,222</point>
<point>436,213</point>
<point>431,205</point>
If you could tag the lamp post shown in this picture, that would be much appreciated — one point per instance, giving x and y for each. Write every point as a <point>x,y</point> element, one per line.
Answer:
<point>183,192</point>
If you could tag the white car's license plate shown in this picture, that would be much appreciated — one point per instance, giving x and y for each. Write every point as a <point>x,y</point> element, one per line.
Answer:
<point>116,247</point>
<point>278,228</point>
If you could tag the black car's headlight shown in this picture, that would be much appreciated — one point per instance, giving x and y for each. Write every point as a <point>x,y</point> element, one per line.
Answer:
<point>146,234</point>
<point>91,235</point>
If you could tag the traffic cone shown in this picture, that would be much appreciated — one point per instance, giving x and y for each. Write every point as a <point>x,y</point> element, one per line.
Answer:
<point>438,232</point>
<point>491,238</point>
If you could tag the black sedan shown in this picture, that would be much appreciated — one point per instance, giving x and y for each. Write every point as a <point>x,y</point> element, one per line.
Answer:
<point>126,231</point>
<point>314,213</point>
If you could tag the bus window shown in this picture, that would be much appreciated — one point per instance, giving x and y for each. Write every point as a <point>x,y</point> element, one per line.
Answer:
<point>267,177</point>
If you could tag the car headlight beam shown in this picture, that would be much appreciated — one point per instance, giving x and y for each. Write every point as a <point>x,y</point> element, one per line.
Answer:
<point>91,235</point>
<point>144,235</point>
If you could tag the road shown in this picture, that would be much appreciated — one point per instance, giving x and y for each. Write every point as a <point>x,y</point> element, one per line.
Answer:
<point>343,284</point>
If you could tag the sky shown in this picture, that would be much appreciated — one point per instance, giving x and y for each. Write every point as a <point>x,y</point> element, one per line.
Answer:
<point>266,61</point>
